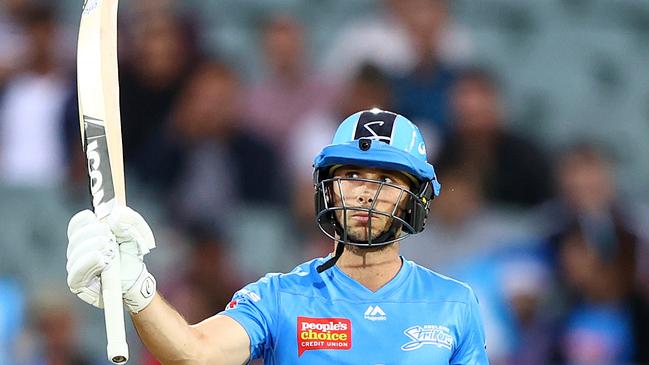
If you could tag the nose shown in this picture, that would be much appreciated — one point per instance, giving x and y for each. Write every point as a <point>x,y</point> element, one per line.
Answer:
<point>366,196</point>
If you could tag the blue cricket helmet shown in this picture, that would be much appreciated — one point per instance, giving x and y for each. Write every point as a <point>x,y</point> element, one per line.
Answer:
<point>400,146</point>
<point>376,139</point>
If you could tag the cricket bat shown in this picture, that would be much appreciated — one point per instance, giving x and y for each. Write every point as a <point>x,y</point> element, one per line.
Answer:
<point>101,138</point>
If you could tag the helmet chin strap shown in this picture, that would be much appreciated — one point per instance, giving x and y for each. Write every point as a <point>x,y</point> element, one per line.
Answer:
<point>388,235</point>
<point>340,247</point>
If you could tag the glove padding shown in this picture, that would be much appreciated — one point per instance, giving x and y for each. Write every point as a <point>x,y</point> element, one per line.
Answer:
<point>92,245</point>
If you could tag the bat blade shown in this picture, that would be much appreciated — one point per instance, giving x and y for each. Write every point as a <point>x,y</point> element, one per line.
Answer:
<point>100,126</point>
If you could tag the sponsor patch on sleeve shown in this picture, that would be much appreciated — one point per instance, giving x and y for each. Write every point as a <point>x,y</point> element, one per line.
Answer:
<point>243,296</point>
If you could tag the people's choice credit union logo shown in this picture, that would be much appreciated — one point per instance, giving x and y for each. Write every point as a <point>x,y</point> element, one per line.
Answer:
<point>323,334</point>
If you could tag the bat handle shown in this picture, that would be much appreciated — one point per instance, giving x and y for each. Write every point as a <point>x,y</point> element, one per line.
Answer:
<point>111,289</point>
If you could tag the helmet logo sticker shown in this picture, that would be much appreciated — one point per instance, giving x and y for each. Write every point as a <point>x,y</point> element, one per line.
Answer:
<point>373,132</point>
<point>422,148</point>
<point>375,126</point>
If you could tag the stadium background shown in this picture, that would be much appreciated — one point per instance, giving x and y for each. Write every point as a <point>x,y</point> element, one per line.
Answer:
<point>536,114</point>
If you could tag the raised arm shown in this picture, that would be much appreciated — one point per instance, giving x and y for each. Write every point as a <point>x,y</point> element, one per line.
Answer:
<point>216,340</point>
<point>91,247</point>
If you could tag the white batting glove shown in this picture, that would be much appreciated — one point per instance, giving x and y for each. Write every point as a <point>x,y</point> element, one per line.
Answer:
<point>91,248</point>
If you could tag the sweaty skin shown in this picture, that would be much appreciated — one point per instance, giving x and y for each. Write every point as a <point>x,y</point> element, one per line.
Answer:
<point>220,340</point>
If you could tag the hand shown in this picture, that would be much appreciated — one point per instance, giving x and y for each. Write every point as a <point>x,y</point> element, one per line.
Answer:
<point>92,246</point>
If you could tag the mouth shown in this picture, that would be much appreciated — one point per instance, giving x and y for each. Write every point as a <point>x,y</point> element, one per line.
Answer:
<point>362,217</point>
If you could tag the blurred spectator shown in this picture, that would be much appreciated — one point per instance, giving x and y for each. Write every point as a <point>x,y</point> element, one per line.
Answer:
<point>511,170</point>
<point>148,7</point>
<point>526,285</point>
<point>389,42</point>
<point>598,263</point>
<point>161,51</point>
<point>209,278</point>
<point>12,37</point>
<point>31,146</point>
<point>221,164</point>
<point>56,333</point>
<point>605,321</point>
<point>586,184</point>
<point>422,94</point>
<point>289,88</point>
<point>587,193</point>
<point>12,303</point>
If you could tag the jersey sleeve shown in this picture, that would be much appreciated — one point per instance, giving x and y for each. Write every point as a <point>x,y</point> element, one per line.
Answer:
<point>254,307</point>
<point>472,349</point>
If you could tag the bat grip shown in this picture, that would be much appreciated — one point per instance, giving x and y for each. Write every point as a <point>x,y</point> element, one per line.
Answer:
<point>111,289</point>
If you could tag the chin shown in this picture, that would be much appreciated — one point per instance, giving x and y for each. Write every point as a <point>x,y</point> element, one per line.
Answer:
<point>361,250</point>
<point>360,234</point>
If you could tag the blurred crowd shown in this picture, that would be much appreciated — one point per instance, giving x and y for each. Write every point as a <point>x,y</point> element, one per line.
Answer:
<point>218,159</point>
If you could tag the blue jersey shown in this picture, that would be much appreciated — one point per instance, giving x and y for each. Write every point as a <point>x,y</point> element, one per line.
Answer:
<point>419,317</point>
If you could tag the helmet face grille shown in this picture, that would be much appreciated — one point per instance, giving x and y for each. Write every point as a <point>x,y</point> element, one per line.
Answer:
<point>384,213</point>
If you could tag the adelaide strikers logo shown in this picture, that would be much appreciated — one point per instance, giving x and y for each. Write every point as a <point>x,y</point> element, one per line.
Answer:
<point>323,334</point>
<point>429,334</point>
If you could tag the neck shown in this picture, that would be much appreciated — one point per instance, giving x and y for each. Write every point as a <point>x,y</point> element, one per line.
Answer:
<point>371,267</point>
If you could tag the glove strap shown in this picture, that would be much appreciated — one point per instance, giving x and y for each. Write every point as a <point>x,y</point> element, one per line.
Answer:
<point>138,296</point>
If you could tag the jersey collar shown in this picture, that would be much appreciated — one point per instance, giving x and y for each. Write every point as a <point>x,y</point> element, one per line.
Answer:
<point>353,287</point>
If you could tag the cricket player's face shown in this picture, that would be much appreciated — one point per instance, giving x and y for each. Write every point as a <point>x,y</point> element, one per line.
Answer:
<point>359,196</point>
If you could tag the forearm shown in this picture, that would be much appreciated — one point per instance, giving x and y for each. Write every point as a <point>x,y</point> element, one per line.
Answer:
<point>167,335</point>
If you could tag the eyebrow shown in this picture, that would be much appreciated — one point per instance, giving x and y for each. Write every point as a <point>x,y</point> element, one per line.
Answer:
<point>396,174</point>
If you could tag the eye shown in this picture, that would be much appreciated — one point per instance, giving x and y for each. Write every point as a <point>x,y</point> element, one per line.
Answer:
<point>387,179</point>
<point>352,174</point>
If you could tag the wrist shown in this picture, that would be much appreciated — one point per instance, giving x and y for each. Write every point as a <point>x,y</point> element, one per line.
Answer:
<point>141,293</point>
